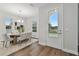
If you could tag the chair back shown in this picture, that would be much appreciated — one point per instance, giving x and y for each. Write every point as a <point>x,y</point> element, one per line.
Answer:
<point>22,36</point>
<point>8,37</point>
<point>4,37</point>
<point>29,35</point>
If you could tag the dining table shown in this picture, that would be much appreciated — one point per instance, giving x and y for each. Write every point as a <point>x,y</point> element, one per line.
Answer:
<point>14,36</point>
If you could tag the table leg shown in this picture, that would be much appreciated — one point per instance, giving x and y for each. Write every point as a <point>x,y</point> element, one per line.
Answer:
<point>15,40</point>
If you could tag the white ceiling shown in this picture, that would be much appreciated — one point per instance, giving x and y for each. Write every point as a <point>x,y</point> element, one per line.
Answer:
<point>22,9</point>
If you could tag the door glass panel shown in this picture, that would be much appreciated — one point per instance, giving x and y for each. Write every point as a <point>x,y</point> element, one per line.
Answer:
<point>53,24</point>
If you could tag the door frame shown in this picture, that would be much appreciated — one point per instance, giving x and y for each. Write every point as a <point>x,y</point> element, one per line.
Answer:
<point>60,10</point>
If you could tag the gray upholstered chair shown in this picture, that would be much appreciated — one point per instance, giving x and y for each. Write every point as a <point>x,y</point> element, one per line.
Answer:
<point>5,40</point>
<point>21,38</point>
<point>24,36</point>
<point>29,35</point>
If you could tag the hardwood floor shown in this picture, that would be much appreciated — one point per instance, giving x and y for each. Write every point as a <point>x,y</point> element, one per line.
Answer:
<point>38,50</point>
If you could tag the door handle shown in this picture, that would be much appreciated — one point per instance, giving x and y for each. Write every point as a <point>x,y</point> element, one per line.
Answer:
<point>59,31</point>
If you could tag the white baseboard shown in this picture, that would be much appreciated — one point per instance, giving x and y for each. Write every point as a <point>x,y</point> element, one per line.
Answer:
<point>42,43</point>
<point>70,51</point>
<point>65,50</point>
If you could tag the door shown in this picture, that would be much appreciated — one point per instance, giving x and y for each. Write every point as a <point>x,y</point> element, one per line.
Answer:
<point>55,29</point>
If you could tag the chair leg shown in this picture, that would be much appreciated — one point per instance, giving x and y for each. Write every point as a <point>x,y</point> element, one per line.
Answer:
<point>19,42</point>
<point>30,39</point>
<point>7,44</point>
<point>4,44</point>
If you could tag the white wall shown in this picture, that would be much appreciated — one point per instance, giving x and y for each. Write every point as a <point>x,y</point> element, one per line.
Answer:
<point>78,24</point>
<point>43,25</point>
<point>70,41</point>
<point>28,24</point>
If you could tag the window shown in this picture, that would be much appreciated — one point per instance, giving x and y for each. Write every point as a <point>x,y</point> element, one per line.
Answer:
<point>8,23</point>
<point>53,24</point>
<point>34,26</point>
<point>8,20</point>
